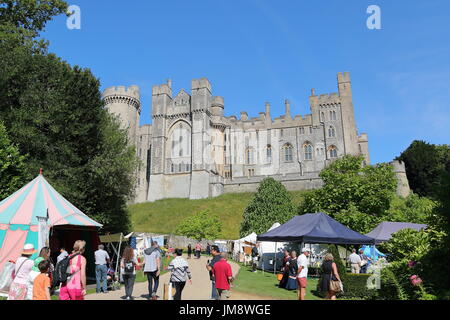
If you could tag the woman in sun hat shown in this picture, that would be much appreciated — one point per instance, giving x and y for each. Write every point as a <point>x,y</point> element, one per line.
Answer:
<point>24,265</point>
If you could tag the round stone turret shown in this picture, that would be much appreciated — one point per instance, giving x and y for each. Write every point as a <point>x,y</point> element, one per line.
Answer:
<point>126,104</point>
<point>217,106</point>
<point>403,189</point>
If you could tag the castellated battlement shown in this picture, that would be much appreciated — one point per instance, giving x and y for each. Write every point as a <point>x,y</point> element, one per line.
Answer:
<point>343,77</point>
<point>363,137</point>
<point>131,92</point>
<point>123,95</point>
<point>328,98</point>
<point>201,84</point>
<point>162,89</point>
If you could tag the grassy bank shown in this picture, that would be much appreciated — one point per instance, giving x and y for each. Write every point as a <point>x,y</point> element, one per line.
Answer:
<point>163,216</point>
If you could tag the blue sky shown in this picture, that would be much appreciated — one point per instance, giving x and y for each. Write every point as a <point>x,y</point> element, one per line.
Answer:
<point>254,51</point>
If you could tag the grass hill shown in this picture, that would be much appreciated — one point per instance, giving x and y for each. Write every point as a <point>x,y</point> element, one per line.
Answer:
<point>163,216</point>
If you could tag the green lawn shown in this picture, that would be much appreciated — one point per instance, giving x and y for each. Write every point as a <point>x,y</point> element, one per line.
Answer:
<point>163,216</point>
<point>267,285</point>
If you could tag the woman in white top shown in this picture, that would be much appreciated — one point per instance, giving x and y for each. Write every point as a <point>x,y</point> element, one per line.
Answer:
<point>128,265</point>
<point>24,265</point>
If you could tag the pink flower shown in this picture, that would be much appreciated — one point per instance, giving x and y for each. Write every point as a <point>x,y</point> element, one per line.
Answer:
<point>415,280</point>
<point>411,264</point>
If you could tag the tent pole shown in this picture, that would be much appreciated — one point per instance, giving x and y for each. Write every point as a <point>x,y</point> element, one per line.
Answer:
<point>118,256</point>
<point>275,259</point>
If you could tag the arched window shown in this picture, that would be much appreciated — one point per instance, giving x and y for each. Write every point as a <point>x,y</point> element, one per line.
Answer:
<point>288,152</point>
<point>180,137</point>
<point>249,156</point>
<point>331,132</point>
<point>333,152</point>
<point>308,151</point>
<point>322,116</point>
<point>269,154</point>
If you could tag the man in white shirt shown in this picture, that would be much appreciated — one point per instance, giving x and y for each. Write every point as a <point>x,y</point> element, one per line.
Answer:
<point>355,261</point>
<point>302,276</point>
<point>101,268</point>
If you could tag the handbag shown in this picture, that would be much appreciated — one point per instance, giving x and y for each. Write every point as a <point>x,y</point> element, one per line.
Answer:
<point>335,285</point>
<point>14,273</point>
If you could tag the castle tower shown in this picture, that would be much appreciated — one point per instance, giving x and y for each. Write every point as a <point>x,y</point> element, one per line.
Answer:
<point>161,98</point>
<point>201,139</point>
<point>403,189</point>
<point>348,114</point>
<point>126,104</point>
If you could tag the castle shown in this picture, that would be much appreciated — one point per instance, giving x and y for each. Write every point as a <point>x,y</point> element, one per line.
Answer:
<point>191,150</point>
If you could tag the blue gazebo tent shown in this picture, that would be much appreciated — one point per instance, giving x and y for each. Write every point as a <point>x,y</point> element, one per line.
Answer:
<point>315,228</point>
<point>372,252</point>
<point>383,232</point>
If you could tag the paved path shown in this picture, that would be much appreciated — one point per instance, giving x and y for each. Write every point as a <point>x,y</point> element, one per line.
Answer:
<point>199,290</point>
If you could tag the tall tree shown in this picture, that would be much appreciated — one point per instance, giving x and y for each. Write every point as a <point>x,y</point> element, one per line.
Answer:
<point>424,162</point>
<point>348,186</point>
<point>272,203</point>
<point>55,114</point>
<point>12,167</point>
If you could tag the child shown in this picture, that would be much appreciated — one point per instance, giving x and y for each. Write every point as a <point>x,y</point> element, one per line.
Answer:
<point>41,287</point>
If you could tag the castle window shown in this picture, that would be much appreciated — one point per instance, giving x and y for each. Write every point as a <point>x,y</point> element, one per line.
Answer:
<point>251,172</point>
<point>333,115</point>
<point>308,151</point>
<point>310,130</point>
<point>172,168</point>
<point>360,149</point>
<point>333,152</point>
<point>249,156</point>
<point>281,133</point>
<point>322,116</point>
<point>331,132</point>
<point>180,167</point>
<point>180,140</point>
<point>302,130</point>
<point>288,153</point>
<point>269,154</point>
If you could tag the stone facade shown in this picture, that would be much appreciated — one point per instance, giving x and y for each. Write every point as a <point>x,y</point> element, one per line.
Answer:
<point>192,150</point>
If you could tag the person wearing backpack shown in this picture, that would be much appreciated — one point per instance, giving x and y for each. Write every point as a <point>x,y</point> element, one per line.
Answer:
<point>24,265</point>
<point>74,286</point>
<point>128,266</point>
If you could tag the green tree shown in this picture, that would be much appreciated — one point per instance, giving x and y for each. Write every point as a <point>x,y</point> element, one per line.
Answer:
<point>424,163</point>
<point>12,167</point>
<point>347,183</point>
<point>357,221</point>
<point>22,21</point>
<point>54,113</point>
<point>202,225</point>
<point>272,203</point>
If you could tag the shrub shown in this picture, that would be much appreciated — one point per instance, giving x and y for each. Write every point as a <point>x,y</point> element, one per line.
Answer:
<point>390,287</point>
<point>202,225</point>
<point>272,203</point>
<point>356,287</point>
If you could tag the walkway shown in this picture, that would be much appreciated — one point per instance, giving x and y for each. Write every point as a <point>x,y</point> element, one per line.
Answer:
<point>199,290</point>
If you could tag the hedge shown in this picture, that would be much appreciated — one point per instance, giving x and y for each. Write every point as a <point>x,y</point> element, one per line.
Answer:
<point>355,286</point>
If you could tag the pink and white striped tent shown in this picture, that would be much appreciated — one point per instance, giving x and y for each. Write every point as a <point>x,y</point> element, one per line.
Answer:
<point>19,216</point>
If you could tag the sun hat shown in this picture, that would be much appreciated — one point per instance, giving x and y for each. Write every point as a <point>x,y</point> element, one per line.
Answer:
<point>36,264</point>
<point>28,249</point>
<point>305,250</point>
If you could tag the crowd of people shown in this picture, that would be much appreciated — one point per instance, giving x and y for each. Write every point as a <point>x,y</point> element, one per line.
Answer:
<point>35,279</point>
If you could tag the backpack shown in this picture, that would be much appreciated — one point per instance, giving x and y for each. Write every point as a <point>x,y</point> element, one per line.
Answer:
<point>128,267</point>
<point>62,271</point>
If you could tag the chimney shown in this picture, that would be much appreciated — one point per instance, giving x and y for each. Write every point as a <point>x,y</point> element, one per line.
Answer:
<point>288,109</point>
